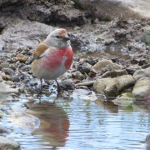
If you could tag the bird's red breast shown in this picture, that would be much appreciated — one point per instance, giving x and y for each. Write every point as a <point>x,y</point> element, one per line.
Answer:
<point>57,57</point>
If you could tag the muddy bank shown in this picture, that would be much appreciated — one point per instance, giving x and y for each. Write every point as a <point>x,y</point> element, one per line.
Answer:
<point>111,9</point>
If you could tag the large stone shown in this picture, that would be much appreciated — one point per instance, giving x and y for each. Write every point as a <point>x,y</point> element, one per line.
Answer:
<point>105,64</point>
<point>42,11</point>
<point>8,71</point>
<point>67,84</point>
<point>114,73</point>
<point>113,86</point>
<point>106,86</point>
<point>84,68</point>
<point>141,88</point>
<point>4,89</point>
<point>25,34</point>
<point>124,100</point>
<point>124,82</point>
<point>141,73</point>
<point>8,144</point>
<point>4,130</point>
<point>21,58</point>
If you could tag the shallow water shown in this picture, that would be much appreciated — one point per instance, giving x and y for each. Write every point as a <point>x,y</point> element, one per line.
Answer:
<point>84,125</point>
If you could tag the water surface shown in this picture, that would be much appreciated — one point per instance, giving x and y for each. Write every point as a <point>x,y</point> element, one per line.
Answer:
<point>84,125</point>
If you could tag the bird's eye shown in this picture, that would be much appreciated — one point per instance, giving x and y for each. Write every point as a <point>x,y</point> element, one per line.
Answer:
<point>57,36</point>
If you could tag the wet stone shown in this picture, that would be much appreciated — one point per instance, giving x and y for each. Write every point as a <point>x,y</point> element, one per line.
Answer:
<point>9,82</point>
<point>67,85</point>
<point>78,75</point>
<point>113,86</point>
<point>91,60</point>
<point>141,88</point>
<point>8,71</point>
<point>141,73</point>
<point>15,78</point>
<point>29,60</point>
<point>4,65</point>
<point>5,88</point>
<point>25,68</point>
<point>114,73</point>
<point>105,64</point>
<point>8,144</point>
<point>21,58</point>
<point>5,77</point>
<point>84,68</point>
<point>12,66</point>
<point>126,99</point>
<point>4,130</point>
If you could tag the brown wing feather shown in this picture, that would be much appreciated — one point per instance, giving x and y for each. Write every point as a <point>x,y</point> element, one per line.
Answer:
<point>41,48</point>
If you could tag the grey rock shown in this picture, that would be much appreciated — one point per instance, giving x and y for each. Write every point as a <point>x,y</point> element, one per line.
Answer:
<point>141,73</point>
<point>29,60</point>
<point>141,88</point>
<point>84,68</point>
<point>88,83</point>
<point>124,81</point>
<point>113,86</point>
<point>132,69</point>
<point>4,65</point>
<point>8,144</point>
<point>114,73</point>
<point>31,34</point>
<point>91,60</point>
<point>67,84</point>
<point>105,64</point>
<point>78,75</point>
<point>15,78</point>
<point>4,130</point>
<point>106,86</point>
<point>4,88</point>
<point>26,68</point>
<point>9,83</point>
<point>8,71</point>
<point>125,100</point>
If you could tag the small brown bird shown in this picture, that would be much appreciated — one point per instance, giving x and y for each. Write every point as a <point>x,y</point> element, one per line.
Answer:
<point>53,57</point>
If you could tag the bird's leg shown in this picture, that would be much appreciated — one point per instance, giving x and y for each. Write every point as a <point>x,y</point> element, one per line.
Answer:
<point>41,88</point>
<point>59,89</point>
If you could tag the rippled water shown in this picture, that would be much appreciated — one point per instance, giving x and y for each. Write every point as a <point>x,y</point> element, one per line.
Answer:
<point>85,125</point>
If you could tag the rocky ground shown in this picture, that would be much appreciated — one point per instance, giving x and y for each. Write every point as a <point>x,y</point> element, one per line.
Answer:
<point>111,55</point>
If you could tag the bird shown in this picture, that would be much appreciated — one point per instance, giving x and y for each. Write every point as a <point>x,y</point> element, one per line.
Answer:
<point>52,57</point>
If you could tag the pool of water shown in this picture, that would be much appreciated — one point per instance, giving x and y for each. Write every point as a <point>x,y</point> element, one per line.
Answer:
<point>85,125</point>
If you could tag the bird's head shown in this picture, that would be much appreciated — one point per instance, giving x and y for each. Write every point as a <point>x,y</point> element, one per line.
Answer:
<point>58,38</point>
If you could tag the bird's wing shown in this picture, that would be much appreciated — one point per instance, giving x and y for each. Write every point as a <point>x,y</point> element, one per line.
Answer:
<point>41,48</point>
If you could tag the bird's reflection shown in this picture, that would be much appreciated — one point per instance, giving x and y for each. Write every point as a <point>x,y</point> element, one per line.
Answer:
<point>54,123</point>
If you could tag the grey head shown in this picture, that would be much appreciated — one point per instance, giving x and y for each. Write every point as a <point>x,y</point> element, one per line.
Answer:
<point>58,38</point>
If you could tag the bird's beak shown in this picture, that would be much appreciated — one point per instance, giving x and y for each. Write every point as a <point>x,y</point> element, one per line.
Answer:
<point>66,37</point>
